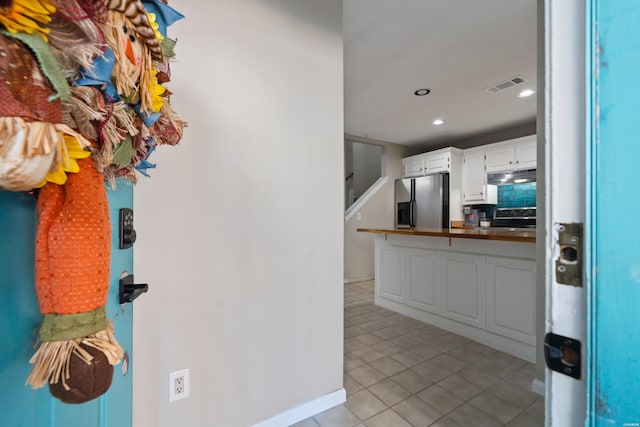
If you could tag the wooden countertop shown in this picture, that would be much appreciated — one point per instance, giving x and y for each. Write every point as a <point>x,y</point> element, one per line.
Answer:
<point>460,233</point>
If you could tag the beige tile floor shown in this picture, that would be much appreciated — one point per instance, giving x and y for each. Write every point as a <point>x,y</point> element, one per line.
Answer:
<point>399,372</point>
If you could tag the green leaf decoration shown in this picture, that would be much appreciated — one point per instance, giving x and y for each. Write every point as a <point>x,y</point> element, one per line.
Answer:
<point>47,60</point>
<point>123,153</point>
<point>168,46</point>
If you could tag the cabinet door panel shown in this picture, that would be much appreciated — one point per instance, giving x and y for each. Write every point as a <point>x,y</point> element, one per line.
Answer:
<point>436,163</point>
<point>463,288</point>
<point>500,158</point>
<point>473,177</point>
<point>412,166</point>
<point>422,279</point>
<point>511,298</point>
<point>390,272</point>
<point>526,155</point>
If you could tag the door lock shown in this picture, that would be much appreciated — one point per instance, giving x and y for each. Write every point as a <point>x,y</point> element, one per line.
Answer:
<point>569,263</point>
<point>125,229</point>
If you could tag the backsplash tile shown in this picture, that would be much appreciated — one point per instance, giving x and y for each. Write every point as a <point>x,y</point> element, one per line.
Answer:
<point>517,195</point>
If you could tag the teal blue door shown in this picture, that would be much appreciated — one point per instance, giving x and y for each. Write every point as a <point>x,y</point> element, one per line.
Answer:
<point>614,323</point>
<point>20,316</point>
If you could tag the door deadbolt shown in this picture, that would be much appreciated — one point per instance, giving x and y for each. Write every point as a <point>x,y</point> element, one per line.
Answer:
<point>126,232</point>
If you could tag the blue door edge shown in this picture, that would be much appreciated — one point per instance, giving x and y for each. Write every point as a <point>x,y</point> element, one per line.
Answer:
<point>613,270</point>
<point>590,239</point>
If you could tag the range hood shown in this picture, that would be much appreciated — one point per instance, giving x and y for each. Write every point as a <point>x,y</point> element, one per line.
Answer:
<point>515,177</point>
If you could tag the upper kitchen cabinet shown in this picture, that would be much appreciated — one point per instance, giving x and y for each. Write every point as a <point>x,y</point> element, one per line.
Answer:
<point>438,161</point>
<point>526,152</point>
<point>515,154</point>
<point>475,189</point>
<point>441,160</point>
<point>413,166</point>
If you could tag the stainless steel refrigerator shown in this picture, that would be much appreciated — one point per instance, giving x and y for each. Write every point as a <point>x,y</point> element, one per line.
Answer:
<point>422,202</point>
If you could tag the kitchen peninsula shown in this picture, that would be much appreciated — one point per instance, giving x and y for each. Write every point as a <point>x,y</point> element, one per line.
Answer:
<point>473,282</point>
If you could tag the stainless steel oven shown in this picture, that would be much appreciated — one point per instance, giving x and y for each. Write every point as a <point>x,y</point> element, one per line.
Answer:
<point>515,218</point>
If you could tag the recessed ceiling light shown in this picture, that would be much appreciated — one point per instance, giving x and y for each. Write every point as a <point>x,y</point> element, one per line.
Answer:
<point>422,92</point>
<point>520,180</point>
<point>526,93</point>
<point>437,122</point>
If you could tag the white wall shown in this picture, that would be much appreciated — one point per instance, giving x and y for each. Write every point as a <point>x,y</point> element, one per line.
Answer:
<point>240,228</point>
<point>366,166</point>
<point>378,212</point>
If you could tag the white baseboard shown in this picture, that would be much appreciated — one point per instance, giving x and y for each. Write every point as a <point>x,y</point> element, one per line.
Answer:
<point>358,279</point>
<point>306,410</point>
<point>538,386</point>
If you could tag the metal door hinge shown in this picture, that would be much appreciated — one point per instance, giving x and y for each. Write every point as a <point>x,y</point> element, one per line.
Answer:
<point>571,258</point>
<point>563,354</point>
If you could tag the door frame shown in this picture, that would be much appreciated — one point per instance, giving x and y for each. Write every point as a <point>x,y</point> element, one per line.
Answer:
<point>565,133</point>
<point>592,60</point>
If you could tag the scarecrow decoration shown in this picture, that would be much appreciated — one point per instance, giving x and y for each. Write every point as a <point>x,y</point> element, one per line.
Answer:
<point>82,101</point>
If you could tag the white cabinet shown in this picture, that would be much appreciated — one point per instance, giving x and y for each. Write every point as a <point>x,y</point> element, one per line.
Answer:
<point>515,154</point>
<point>499,157</point>
<point>413,166</point>
<point>484,290</point>
<point>463,287</point>
<point>526,152</point>
<point>511,297</point>
<point>475,189</point>
<point>437,161</point>
<point>389,266</point>
<point>409,275</point>
<point>422,279</point>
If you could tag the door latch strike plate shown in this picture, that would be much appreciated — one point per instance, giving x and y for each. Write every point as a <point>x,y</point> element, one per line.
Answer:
<point>562,354</point>
<point>569,264</point>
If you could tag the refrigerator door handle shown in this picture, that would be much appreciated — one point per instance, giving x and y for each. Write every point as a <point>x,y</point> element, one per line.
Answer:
<point>412,214</point>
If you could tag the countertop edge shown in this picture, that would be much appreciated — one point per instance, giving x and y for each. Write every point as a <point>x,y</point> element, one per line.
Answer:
<point>506,236</point>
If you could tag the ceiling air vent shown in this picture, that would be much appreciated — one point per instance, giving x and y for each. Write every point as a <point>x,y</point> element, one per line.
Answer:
<point>505,84</point>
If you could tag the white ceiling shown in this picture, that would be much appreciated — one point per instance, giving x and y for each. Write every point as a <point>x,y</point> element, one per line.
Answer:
<point>456,48</point>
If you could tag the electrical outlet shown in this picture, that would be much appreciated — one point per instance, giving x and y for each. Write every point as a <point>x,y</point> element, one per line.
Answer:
<point>178,385</point>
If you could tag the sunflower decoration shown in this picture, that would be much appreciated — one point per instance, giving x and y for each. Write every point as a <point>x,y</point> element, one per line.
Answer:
<point>69,153</point>
<point>27,16</point>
